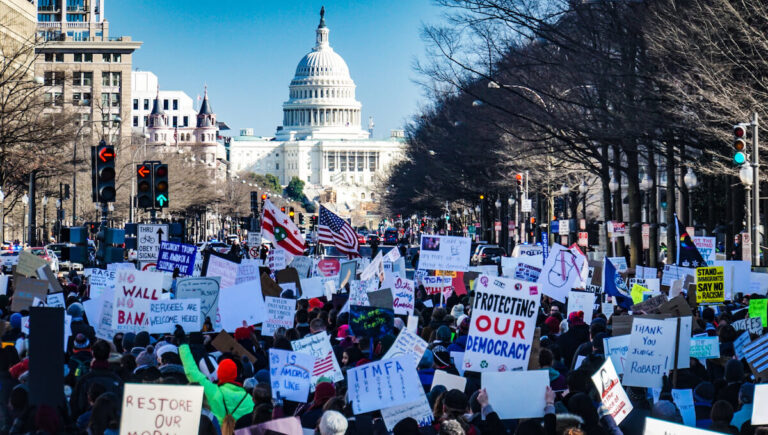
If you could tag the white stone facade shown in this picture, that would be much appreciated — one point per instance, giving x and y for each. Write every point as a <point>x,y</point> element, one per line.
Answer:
<point>176,104</point>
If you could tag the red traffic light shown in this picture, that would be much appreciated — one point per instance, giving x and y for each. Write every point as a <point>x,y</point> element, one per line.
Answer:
<point>263,196</point>
<point>739,131</point>
<point>161,171</point>
<point>106,154</point>
<point>282,209</point>
<point>142,171</point>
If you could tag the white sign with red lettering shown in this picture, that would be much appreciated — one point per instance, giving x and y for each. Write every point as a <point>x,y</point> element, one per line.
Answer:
<point>611,392</point>
<point>133,292</point>
<point>153,408</point>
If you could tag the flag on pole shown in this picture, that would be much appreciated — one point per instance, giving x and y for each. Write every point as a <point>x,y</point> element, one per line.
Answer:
<point>280,230</point>
<point>333,230</point>
<point>687,253</point>
<point>613,285</point>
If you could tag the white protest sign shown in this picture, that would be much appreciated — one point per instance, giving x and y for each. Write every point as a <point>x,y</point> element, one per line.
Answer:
<point>673,272</point>
<point>358,292</point>
<point>525,400</point>
<point>435,285</point>
<point>684,401</point>
<point>508,265</point>
<point>705,347</point>
<point>651,347</point>
<point>133,292</point>
<point>620,263</point>
<point>581,301</point>
<point>413,323</point>
<point>656,427</point>
<point>754,325</point>
<point>302,265</point>
<point>319,347</point>
<point>502,325</point>
<point>564,269</point>
<point>706,247</point>
<point>103,321</point>
<point>242,302</point>
<point>444,253</point>
<point>155,408</point>
<point>684,349</point>
<point>279,315</point>
<point>760,404</point>
<point>645,272</point>
<point>57,300</point>
<point>617,348</point>
<point>277,259</point>
<point>101,280</point>
<point>403,299</point>
<point>223,268</point>
<point>737,276</point>
<point>383,384</point>
<point>165,315</point>
<point>148,238</point>
<point>207,290</point>
<point>290,374</point>
<point>248,270</point>
<point>526,272</point>
<point>758,283</point>
<point>409,344</point>
<point>739,343</point>
<point>449,381</point>
<point>375,268</point>
<point>612,394</point>
<point>419,411</point>
<point>312,287</point>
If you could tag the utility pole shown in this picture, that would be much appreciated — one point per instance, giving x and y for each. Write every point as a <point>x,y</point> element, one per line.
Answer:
<point>756,191</point>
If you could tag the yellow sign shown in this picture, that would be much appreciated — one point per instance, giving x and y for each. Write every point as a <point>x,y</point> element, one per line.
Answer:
<point>637,293</point>
<point>710,284</point>
<point>450,273</point>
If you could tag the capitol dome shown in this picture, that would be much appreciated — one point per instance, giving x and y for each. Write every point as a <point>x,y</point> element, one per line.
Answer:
<point>321,102</point>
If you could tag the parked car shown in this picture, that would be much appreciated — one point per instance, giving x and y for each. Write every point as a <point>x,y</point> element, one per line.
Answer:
<point>361,239</point>
<point>390,236</point>
<point>220,247</point>
<point>47,255</point>
<point>488,254</point>
<point>9,258</point>
<point>371,237</point>
<point>57,249</point>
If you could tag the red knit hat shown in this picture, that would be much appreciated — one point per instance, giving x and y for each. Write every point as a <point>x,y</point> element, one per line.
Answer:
<point>552,324</point>
<point>324,391</point>
<point>315,303</point>
<point>243,333</point>
<point>227,371</point>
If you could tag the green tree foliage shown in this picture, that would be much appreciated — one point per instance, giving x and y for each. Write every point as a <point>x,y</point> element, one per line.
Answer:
<point>295,189</point>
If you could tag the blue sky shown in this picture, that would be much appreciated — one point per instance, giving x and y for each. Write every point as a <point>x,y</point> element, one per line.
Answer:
<point>247,51</point>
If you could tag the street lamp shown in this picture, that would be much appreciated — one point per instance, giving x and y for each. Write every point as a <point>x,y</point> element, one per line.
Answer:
<point>24,202</point>
<point>45,219</point>
<point>613,185</point>
<point>2,216</point>
<point>584,189</point>
<point>691,182</point>
<point>645,186</point>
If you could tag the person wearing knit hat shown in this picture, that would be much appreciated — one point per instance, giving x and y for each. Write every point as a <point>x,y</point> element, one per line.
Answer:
<point>457,311</point>
<point>146,358</point>
<point>703,396</point>
<point>262,376</point>
<point>76,310</point>
<point>315,303</point>
<point>442,360</point>
<point>426,370</point>
<point>310,413</point>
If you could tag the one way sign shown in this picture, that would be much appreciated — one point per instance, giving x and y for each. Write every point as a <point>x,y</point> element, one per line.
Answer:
<point>148,241</point>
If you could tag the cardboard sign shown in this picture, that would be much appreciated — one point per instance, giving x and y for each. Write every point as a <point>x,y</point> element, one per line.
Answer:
<point>581,301</point>
<point>370,322</point>
<point>756,355</point>
<point>435,285</point>
<point>28,264</point>
<point>289,374</point>
<point>564,270</point>
<point>227,270</point>
<point>759,308</point>
<point>502,325</point>
<point>160,408</point>
<point>652,345</point>
<point>289,276</point>
<point>224,343</point>
<point>383,384</point>
<point>26,290</point>
<point>302,264</point>
<point>268,286</point>
<point>45,273</point>
<point>419,411</point>
<point>710,285</point>
<point>319,347</point>
<point>408,344</point>
<point>651,305</point>
<point>444,253</point>
<point>242,302</point>
<point>175,255</point>
<point>673,272</point>
<point>616,348</point>
<point>611,392</point>
<point>705,347</point>
<point>760,404</point>
<point>403,301</point>
<point>166,314</point>
<point>207,290</point>
<point>279,315</point>
<point>148,239</point>
<point>449,381</point>
<point>677,307</point>
<point>525,400</point>
<point>753,325</point>
<point>133,292</point>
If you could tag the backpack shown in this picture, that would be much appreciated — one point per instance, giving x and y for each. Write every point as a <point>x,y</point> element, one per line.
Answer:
<point>228,424</point>
<point>81,368</point>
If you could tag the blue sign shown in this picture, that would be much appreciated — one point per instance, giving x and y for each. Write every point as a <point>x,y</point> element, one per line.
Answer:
<point>175,255</point>
<point>545,245</point>
<point>555,227</point>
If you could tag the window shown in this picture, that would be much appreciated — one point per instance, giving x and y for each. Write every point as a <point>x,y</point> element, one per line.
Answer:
<point>343,162</point>
<point>110,78</point>
<point>83,57</point>
<point>145,121</point>
<point>53,78</point>
<point>186,121</point>
<point>135,104</point>
<point>81,98</point>
<point>175,104</point>
<point>277,165</point>
<point>85,117</point>
<point>58,99</point>
<point>54,57</point>
<point>111,57</point>
<point>115,99</point>
<point>146,104</point>
<point>135,120</point>
<point>105,79</point>
<point>165,104</point>
<point>105,101</point>
<point>80,78</point>
<point>175,121</point>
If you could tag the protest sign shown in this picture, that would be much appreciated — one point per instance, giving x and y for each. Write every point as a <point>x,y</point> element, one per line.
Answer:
<point>706,247</point>
<point>435,285</point>
<point>581,301</point>
<point>526,272</point>
<point>207,290</point>
<point>289,374</point>
<point>328,267</point>
<point>759,308</point>
<point>279,314</point>
<point>673,272</point>
<point>44,385</point>
<point>224,343</point>
<point>508,266</point>
<point>677,307</point>
<point>319,347</point>
<point>449,381</point>
<point>55,300</point>
<point>525,400</point>
<point>758,283</point>
<point>26,290</point>
<point>617,348</point>
<point>277,259</point>
<point>375,268</point>
<point>370,322</point>
<point>684,345</point>
<point>760,404</point>
<point>383,384</point>
<point>502,325</point>
<point>651,305</point>
<point>102,319</point>
<point>419,411</point>
<point>444,253</point>
<point>684,401</point>
<point>656,427</point>
<point>156,408</point>
<point>101,280</point>
<point>736,276</point>
<point>358,292</point>
<point>4,284</point>
<point>403,296</point>
<point>221,267</point>
<point>705,347</point>
<point>564,269</point>
<point>381,298</point>
<point>28,264</point>
<point>645,272</point>
<point>620,263</point>
<point>302,265</point>
<point>409,344</point>
<point>133,291</point>
<point>242,302</point>
<point>753,324</point>
<point>637,293</point>
<point>347,273</point>
<point>710,285</point>
<point>739,343</point>
<point>175,255</point>
<point>313,287</point>
<point>756,355</point>
<point>166,314</point>
<point>612,394</point>
<point>248,270</point>
<point>652,346</point>
<point>45,273</point>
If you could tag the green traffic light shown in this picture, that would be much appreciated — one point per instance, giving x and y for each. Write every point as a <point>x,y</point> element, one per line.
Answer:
<point>161,199</point>
<point>739,158</point>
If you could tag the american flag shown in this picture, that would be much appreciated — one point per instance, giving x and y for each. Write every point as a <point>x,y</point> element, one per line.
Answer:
<point>280,230</point>
<point>333,230</point>
<point>323,365</point>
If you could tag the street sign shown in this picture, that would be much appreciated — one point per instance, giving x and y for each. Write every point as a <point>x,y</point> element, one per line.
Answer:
<point>148,240</point>
<point>554,227</point>
<point>646,233</point>
<point>527,206</point>
<point>497,226</point>
<point>254,238</point>
<point>619,228</point>
<point>583,238</point>
<point>565,226</point>
<point>511,227</point>
<point>253,251</point>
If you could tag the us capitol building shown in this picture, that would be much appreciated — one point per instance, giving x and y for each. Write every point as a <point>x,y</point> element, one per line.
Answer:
<point>321,140</point>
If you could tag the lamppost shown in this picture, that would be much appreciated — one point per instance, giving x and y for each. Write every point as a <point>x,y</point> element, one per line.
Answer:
<point>500,236</point>
<point>511,202</point>
<point>613,186</point>
<point>45,220</point>
<point>691,182</point>
<point>478,209</point>
<point>746,178</point>
<point>58,220</point>
<point>565,191</point>
<point>2,216</point>
<point>584,189</point>
<point>482,220</point>
<point>24,202</point>
<point>645,186</point>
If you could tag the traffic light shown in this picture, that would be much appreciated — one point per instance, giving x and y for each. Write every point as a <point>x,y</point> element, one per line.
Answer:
<point>313,220</point>
<point>739,144</point>
<point>282,210</point>
<point>161,185</point>
<point>519,179</point>
<point>255,202</point>
<point>291,214</point>
<point>301,218</point>
<point>66,191</point>
<point>145,197</point>
<point>105,173</point>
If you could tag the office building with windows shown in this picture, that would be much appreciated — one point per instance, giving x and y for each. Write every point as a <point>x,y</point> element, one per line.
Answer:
<point>17,32</point>
<point>177,105</point>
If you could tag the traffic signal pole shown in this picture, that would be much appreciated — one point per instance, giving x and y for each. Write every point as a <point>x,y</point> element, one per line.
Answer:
<point>756,194</point>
